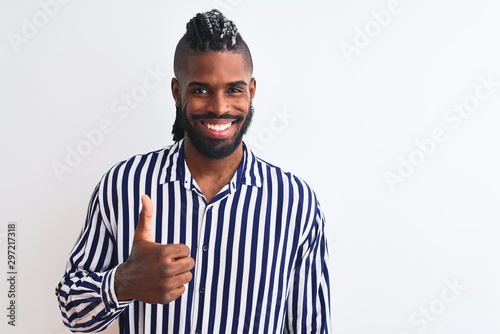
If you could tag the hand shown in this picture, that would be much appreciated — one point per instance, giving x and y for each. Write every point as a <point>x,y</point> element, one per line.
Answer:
<point>154,273</point>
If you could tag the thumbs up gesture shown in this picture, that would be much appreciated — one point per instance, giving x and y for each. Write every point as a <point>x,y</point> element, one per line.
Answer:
<point>153,273</point>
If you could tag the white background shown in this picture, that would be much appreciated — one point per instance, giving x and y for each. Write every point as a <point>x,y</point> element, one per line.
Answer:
<point>349,121</point>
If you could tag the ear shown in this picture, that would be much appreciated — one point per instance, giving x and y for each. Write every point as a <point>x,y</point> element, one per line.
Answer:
<point>176,91</point>
<point>252,87</point>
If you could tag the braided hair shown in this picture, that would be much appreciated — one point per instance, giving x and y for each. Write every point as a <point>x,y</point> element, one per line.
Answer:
<point>208,31</point>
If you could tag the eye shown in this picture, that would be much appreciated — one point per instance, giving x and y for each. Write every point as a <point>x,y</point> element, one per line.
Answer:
<point>234,90</point>
<point>200,91</point>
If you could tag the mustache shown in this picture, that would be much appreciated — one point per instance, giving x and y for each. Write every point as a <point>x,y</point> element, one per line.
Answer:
<point>213,116</point>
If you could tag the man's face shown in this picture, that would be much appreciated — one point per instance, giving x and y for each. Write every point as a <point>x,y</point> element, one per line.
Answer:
<point>215,94</point>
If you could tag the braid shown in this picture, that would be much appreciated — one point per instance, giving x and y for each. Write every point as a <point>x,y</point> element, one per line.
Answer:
<point>208,31</point>
<point>213,30</point>
<point>177,129</point>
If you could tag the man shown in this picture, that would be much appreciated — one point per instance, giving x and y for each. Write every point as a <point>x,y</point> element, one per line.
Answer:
<point>221,242</point>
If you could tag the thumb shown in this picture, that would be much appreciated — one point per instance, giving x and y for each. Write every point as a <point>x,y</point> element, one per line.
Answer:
<point>143,228</point>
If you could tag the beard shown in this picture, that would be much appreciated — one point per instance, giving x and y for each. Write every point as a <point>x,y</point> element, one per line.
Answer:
<point>215,148</point>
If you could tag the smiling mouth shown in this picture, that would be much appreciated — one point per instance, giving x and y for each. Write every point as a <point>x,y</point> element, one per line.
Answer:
<point>217,127</point>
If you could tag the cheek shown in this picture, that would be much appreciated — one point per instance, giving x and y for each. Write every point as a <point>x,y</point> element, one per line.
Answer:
<point>239,104</point>
<point>192,105</point>
<point>196,105</point>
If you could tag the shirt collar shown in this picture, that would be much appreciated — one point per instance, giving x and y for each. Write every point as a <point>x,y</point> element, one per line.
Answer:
<point>175,168</point>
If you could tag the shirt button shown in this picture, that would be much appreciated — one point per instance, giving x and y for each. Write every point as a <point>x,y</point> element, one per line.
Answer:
<point>205,248</point>
<point>198,331</point>
<point>202,290</point>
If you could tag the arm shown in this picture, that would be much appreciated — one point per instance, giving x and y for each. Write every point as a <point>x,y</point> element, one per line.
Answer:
<point>309,300</point>
<point>95,290</point>
<point>86,292</point>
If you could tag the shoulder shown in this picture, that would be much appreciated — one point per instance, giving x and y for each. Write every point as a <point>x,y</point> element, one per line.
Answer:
<point>285,181</point>
<point>271,169</point>
<point>294,197</point>
<point>125,182</point>
<point>140,161</point>
<point>144,167</point>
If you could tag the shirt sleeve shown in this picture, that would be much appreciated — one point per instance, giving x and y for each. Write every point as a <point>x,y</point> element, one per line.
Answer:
<point>309,301</point>
<point>86,296</point>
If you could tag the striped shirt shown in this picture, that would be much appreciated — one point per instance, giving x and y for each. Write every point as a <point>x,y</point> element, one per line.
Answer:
<point>259,248</point>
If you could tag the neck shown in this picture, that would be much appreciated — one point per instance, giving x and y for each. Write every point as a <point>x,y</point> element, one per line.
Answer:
<point>211,175</point>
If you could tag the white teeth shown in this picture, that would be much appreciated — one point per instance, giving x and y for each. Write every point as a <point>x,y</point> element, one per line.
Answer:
<point>218,127</point>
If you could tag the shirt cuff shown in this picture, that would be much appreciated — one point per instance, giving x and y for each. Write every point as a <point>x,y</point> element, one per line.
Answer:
<point>109,298</point>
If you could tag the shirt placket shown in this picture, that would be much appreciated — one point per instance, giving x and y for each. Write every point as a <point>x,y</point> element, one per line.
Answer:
<point>200,279</point>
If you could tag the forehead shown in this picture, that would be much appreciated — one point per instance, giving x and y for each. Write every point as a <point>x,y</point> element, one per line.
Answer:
<point>215,66</point>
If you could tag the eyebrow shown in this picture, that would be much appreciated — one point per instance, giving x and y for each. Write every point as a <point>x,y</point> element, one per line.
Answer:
<point>238,83</point>
<point>206,84</point>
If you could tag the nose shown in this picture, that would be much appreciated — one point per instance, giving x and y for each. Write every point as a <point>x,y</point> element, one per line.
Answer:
<point>218,104</point>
